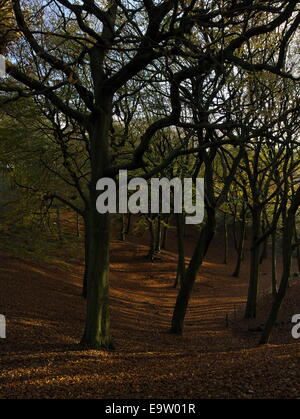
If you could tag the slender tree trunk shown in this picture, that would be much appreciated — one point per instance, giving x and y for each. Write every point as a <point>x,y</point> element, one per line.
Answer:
<point>240,249</point>
<point>250,312</point>
<point>225,261</point>
<point>158,235</point>
<point>264,251</point>
<point>264,247</point>
<point>77,225</point>
<point>274,265</point>
<point>297,248</point>
<point>235,241</point>
<point>287,251</point>
<point>165,234</point>
<point>204,240</point>
<point>123,228</point>
<point>58,223</point>
<point>129,217</point>
<point>86,255</point>
<point>181,254</point>
<point>152,240</point>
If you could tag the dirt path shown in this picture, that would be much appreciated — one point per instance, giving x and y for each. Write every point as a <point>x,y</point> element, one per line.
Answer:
<point>45,316</point>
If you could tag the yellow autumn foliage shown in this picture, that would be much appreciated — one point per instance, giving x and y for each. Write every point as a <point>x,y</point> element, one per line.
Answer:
<point>6,24</point>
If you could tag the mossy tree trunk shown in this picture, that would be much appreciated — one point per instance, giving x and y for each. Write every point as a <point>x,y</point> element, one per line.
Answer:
<point>97,326</point>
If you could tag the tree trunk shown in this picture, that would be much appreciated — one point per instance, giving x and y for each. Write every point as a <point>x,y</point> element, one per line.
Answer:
<point>97,326</point>
<point>235,241</point>
<point>225,261</point>
<point>181,258</point>
<point>158,235</point>
<point>297,248</point>
<point>58,223</point>
<point>287,251</point>
<point>165,234</point>
<point>97,329</point>
<point>264,247</point>
<point>250,312</point>
<point>204,240</point>
<point>152,239</point>
<point>129,216</point>
<point>123,228</point>
<point>86,255</point>
<point>77,225</point>
<point>240,249</point>
<point>274,265</point>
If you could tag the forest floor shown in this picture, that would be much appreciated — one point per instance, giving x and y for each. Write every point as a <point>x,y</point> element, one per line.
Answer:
<point>217,357</point>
